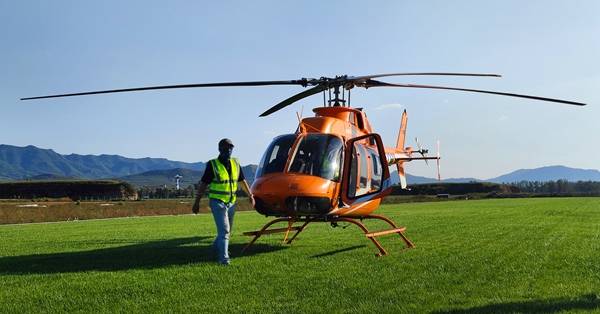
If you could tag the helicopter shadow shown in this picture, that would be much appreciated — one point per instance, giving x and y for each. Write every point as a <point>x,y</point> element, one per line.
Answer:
<point>587,302</point>
<point>148,255</point>
<point>351,248</point>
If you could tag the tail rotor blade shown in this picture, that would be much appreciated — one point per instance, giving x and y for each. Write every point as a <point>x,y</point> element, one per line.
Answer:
<point>418,144</point>
<point>421,151</point>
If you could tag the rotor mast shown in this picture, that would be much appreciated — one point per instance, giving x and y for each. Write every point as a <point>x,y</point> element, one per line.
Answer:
<point>336,84</point>
<point>336,101</point>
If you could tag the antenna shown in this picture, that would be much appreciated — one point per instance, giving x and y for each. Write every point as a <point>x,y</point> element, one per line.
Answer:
<point>438,161</point>
<point>299,114</point>
<point>177,178</point>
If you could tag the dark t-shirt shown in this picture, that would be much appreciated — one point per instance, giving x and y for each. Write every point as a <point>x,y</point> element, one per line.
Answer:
<point>208,175</point>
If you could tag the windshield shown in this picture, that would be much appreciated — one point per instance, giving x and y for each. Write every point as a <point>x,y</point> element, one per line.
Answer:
<point>276,155</point>
<point>318,155</point>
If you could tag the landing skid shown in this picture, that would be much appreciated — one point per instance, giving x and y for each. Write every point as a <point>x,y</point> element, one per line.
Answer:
<point>333,220</point>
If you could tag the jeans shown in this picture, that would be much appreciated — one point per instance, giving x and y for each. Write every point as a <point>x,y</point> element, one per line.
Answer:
<point>223,214</point>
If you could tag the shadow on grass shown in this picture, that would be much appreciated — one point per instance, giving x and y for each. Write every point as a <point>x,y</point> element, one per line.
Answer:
<point>585,302</point>
<point>147,255</point>
<point>338,251</point>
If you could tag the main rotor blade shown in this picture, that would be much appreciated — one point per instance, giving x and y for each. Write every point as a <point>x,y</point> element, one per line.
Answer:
<point>367,77</point>
<point>309,92</point>
<point>374,83</point>
<point>255,83</point>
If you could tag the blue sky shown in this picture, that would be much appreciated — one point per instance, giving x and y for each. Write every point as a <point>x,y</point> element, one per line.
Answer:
<point>546,48</point>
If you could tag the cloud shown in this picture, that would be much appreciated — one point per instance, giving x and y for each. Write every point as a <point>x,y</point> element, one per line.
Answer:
<point>390,106</point>
<point>503,118</point>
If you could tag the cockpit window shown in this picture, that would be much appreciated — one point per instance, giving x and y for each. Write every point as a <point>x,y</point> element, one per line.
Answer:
<point>318,155</point>
<point>276,155</point>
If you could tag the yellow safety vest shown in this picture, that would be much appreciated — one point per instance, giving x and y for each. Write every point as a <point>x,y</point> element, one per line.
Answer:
<point>223,187</point>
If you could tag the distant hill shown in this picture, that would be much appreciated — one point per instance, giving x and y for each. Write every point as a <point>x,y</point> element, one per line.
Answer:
<point>48,177</point>
<point>18,163</point>
<point>543,174</point>
<point>410,179</point>
<point>551,173</point>
<point>33,163</point>
<point>157,178</point>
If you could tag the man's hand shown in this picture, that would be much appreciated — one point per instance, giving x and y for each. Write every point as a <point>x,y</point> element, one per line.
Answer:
<point>201,189</point>
<point>196,206</point>
<point>246,188</point>
<point>251,199</point>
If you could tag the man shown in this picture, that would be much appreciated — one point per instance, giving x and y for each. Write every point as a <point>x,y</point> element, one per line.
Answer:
<point>221,176</point>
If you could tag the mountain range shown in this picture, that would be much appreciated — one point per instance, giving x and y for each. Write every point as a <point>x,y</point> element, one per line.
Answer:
<point>17,163</point>
<point>549,173</point>
<point>32,163</point>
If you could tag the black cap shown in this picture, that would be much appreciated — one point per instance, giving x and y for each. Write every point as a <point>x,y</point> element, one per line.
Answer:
<point>225,141</point>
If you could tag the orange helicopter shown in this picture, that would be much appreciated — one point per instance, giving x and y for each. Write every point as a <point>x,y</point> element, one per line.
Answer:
<point>333,168</point>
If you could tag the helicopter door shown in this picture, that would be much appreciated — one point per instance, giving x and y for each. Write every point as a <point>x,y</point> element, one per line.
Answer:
<point>366,175</point>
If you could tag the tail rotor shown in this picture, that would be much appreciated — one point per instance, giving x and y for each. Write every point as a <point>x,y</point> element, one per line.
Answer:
<point>422,151</point>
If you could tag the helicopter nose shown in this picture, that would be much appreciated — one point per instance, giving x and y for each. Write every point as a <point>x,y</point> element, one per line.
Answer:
<point>293,195</point>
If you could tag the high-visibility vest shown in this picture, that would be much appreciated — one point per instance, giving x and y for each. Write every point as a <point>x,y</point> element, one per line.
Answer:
<point>222,186</point>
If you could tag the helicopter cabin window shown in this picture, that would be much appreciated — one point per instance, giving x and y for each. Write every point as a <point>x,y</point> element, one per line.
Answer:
<point>376,170</point>
<point>276,155</point>
<point>352,186</point>
<point>352,118</point>
<point>357,120</point>
<point>365,171</point>
<point>318,155</point>
<point>363,181</point>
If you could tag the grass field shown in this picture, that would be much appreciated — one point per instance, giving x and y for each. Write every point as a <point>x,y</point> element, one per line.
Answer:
<point>488,256</point>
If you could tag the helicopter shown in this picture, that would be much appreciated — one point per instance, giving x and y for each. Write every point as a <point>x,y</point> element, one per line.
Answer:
<point>333,168</point>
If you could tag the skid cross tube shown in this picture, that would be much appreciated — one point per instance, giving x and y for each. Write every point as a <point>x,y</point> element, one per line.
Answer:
<point>333,220</point>
<point>400,231</point>
<point>300,229</point>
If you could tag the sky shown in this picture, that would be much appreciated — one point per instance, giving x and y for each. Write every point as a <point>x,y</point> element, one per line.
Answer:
<point>544,48</point>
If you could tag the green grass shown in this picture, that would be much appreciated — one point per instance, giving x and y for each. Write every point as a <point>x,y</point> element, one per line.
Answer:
<point>490,256</point>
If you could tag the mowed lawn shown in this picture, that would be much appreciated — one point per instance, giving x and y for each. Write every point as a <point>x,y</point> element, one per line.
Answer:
<point>491,256</point>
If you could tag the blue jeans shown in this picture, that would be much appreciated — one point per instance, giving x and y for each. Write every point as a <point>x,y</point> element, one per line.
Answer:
<point>223,214</point>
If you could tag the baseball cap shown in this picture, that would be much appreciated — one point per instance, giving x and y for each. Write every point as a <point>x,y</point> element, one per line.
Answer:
<point>225,141</point>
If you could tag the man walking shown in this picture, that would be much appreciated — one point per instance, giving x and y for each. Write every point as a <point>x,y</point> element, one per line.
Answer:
<point>221,176</point>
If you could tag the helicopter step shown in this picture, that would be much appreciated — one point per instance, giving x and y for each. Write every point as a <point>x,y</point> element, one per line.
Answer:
<point>334,222</point>
<point>380,233</point>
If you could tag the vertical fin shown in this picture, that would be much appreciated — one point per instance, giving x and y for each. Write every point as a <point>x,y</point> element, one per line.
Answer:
<point>400,147</point>
<point>402,132</point>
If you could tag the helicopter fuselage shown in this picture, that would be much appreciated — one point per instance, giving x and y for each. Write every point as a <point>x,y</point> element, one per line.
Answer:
<point>303,174</point>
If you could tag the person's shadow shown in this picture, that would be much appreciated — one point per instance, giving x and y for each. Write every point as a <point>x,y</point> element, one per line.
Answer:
<point>147,255</point>
<point>587,302</point>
